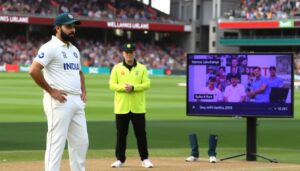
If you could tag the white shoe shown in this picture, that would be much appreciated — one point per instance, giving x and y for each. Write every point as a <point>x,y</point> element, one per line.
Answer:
<point>117,164</point>
<point>212,159</point>
<point>147,163</point>
<point>191,159</point>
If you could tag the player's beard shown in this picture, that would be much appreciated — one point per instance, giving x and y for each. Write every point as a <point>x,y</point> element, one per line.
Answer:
<point>68,37</point>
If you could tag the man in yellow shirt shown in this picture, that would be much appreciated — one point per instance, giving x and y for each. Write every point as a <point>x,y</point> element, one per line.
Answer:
<point>129,79</point>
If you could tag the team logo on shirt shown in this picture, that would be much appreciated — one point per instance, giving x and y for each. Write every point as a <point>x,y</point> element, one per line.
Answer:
<point>136,73</point>
<point>64,54</point>
<point>41,55</point>
<point>123,73</point>
<point>75,55</point>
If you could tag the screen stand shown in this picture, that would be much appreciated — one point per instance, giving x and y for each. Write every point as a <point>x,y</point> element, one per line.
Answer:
<point>251,154</point>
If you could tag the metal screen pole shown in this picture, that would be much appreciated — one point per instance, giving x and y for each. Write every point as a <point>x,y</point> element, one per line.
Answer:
<point>251,139</point>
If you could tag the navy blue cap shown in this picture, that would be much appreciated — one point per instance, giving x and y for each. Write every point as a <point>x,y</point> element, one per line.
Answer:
<point>128,47</point>
<point>64,19</point>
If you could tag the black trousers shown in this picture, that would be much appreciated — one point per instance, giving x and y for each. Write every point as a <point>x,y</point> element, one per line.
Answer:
<point>139,126</point>
<point>213,141</point>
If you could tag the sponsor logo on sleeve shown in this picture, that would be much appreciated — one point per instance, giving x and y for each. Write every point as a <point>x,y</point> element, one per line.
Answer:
<point>41,55</point>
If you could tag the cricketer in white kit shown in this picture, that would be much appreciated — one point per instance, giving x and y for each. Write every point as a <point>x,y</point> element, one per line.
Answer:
<point>64,95</point>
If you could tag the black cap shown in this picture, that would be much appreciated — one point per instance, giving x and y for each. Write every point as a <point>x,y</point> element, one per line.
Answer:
<point>128,47</point>
<point>64,19</point>
<point>272,68</point>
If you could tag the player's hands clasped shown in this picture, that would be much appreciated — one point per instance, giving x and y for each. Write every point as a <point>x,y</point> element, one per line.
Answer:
<point>59,95</point>
<point>128,88</point>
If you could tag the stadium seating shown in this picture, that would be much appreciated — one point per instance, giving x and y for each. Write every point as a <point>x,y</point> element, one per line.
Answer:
<point>94,53</point>
<point>265,10</point>
<point>101,9</point>
<point>17,49</point>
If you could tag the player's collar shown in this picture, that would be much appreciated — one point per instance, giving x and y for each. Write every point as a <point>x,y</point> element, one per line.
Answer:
<point>129,66</point>
<point>59,42</point>
<point>133,65</point>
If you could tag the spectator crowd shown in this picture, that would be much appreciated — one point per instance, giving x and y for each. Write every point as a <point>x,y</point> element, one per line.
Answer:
<point>40,7</point>
<point>94,9</point>
<point>17,50</point>
<point>265,10</point>
<point>95,53</point>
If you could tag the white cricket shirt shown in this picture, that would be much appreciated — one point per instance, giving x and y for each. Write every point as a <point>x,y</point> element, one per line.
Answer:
<point>235,94</point>
<point>61,65</point>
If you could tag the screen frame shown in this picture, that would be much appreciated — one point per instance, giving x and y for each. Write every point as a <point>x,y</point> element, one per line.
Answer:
<point>244,114</point>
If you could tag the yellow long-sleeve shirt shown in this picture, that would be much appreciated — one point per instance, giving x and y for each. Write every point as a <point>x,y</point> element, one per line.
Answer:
<point>134,101</point>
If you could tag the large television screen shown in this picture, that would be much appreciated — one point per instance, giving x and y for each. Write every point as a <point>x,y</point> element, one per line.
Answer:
<point>240,84</point>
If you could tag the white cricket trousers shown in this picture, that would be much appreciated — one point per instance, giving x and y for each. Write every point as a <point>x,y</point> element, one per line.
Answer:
<point>66,121</point>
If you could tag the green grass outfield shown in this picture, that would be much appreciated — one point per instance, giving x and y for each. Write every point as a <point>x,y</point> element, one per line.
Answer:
<point>23,124</point>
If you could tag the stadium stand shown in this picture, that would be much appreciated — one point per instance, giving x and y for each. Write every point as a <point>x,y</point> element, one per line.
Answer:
<point>96,53</point>
<point>20,47</point>
<point>17,50</point>
<point>265,10</point>
<point>101,9</point>
<point>26,7</point>
<point>94,9</point>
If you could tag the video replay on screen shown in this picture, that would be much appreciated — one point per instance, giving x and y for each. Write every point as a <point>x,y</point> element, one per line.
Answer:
<point>243,84</point>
